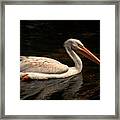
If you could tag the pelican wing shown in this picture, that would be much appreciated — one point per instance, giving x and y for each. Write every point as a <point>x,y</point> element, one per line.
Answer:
<point>42,65</point>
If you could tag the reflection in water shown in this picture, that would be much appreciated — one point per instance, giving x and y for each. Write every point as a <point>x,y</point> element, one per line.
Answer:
<point>52,89</point>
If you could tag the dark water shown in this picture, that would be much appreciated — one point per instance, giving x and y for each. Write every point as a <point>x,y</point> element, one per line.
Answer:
<point>46,38</point>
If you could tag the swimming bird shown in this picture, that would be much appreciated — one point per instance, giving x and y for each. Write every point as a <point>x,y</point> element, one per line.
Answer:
<point>41,68</point>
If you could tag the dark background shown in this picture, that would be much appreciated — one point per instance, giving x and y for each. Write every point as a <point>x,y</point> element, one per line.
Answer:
<point>46,38</point>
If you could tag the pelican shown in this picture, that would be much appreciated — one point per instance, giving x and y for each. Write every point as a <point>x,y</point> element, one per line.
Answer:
<point>42,68</point>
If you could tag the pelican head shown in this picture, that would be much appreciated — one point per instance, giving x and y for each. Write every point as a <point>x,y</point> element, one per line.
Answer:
<point>77,45</point>
<point>73,42</point>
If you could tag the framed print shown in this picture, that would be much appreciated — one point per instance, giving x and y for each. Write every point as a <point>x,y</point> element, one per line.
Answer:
<point>60,60</point>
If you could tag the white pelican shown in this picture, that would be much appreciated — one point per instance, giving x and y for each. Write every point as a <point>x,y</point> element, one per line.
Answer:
<point>44,68</point>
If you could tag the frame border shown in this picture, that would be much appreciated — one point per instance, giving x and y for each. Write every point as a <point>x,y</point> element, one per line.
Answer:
<point>62,2</point>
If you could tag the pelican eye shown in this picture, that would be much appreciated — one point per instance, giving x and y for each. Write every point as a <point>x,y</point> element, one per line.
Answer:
<point>80,45</point>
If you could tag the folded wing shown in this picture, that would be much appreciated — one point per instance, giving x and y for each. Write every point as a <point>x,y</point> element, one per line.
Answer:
<point>42,65</point>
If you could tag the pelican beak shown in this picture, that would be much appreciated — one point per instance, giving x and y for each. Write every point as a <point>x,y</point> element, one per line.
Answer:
<point>85,52</point>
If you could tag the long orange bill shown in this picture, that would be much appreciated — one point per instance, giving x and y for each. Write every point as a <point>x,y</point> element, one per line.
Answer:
<point>85,52</point>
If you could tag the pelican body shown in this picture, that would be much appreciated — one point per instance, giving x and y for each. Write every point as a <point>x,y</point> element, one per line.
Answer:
<point>41,68</point>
